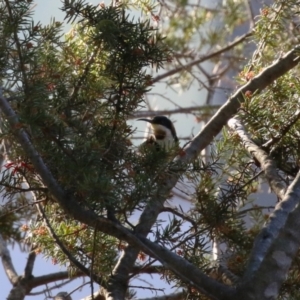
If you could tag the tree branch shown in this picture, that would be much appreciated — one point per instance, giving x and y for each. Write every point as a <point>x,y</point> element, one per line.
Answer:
<point>22,65</point>
<point>231,106</point>
<point>148,269</point>
<point>7,262</point>
<point>284,131</point>
<point>30,264</point>
<point>67,202</point>
<point>209,286</point>
<point>274,249</point>
<point>266,163</point>
<point>183,216</point>
<point>205,109</point>
<point>202,59</point>
<point>70,205</point>
<point>45,279</point>
<point>177,296</point>
<point>202,140</point>
<point>71,258</point>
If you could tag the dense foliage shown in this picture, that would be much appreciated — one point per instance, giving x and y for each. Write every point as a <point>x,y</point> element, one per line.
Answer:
<point>72,96</point>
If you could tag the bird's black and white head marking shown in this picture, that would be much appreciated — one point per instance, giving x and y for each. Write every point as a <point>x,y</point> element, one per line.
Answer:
<point>164,131</point>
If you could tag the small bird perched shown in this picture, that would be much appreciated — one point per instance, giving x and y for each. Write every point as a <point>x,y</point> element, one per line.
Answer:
<point>164,133</point>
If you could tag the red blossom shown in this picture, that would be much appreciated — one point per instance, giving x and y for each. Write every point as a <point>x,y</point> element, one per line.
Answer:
<point>50,86</point>
<point>24,227</point>
<point>181,153</point>
<point>19,167</point>
<point>155,18</point>
<point>142,256</point>
<point>248,94</point>
<point>29,45</point>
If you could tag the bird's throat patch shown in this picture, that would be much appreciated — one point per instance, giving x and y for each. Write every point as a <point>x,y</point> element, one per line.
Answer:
<point>159,134</point>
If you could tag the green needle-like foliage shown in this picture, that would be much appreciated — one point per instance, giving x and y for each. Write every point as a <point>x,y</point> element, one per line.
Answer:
<point>73,95</point>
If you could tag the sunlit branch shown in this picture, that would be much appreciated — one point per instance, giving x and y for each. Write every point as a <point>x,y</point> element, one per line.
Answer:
<point>231,106</point>
<point>206,109</point>
<point>275,247</point>
<point>267,164</point>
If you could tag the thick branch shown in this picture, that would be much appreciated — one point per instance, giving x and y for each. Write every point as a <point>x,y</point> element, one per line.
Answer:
<point>30,264</point>
<point>208,286</point>
<point>230,108</point>
<point>267,164</point>
<point>148,269</point>
<point>53,277</point>
<point>7,262</point>
<point>274,249</point>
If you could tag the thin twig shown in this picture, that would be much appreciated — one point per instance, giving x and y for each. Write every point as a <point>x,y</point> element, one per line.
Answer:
<point>202,59</point>
<point>283,132</point>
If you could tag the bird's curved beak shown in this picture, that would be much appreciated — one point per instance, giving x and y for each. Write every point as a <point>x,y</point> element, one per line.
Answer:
<point>146,120</point>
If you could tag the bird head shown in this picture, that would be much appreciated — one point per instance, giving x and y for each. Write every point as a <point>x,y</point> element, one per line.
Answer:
<point>164,133</point>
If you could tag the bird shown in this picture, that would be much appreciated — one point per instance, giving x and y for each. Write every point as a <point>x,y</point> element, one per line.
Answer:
<point>164,133</point>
